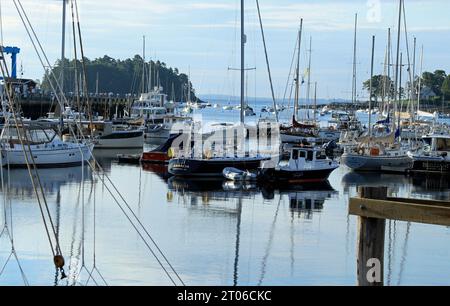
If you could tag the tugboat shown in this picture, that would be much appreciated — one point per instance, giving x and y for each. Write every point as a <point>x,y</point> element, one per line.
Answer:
<point>306,164</point>
<point>434,157</point>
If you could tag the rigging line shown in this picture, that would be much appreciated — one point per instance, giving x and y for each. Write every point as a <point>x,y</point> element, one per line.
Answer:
<point>1,24</point>
<point>24,17</point>
<point>139,233</point>
<point>70,127</point>
<point>24,277</point>
<point>267,62</point>
<point>269,245</point>
<point>6,263</point>
<point>77,90</point>
<point>10,99</point>
<point>83,65</point>
<point>74,230</point>
<point>290,71</point>
<point>407,52</point>
<point>136,217</point>
<point>90,277</point>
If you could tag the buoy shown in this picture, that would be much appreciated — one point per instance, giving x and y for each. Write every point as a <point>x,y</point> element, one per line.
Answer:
<point>59,261</point>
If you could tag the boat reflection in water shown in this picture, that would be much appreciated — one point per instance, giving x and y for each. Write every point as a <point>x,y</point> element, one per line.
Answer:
<point>302,198</point>
<point>52,180</point>
<point>434,186</point>
<point>160,170</point>
<point>106,157</point>
<point>395,182</point>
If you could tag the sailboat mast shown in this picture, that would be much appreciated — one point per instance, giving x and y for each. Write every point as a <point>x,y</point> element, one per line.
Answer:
<point>189,84</point>
<point>243,41</point>
<point>397,93</point>
<point>315,102</point>
<point>63,46</point>
<point>371,87</point>
<point>267,62</point>
<point>389,72</point>
<point>412,87</point>
<point>354,62</point>
<point>419,90</point>
<point>308,89</point>
<point>297,77</point>
<point>143,64</point>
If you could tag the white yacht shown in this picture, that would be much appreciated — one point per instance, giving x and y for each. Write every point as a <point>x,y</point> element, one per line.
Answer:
<point>43,147</point>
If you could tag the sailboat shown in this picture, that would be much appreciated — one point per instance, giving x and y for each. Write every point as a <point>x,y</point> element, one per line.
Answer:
<point>298,132</point>
<point>41,146</point>
<point>209,164</point>
<point>379,153</point>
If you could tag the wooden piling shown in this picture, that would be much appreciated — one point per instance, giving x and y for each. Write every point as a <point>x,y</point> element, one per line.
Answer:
<point>370,241</point>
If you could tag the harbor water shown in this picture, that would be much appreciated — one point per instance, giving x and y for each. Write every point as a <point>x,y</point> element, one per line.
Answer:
<point>212,232</point>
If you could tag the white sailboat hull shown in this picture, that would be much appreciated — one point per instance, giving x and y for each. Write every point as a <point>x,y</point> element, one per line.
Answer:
<point>377,163</point>
<point>49,156</point>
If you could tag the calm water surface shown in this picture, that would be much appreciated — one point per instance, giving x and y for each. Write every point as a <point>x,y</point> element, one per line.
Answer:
<point>213,233</point>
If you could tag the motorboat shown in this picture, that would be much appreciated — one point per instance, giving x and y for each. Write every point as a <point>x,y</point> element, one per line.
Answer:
<point>306,164</point>
<point>434,157</point>
<point>234,174</point>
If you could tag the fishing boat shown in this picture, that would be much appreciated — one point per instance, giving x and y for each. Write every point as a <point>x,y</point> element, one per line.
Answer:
<point>434,157</point>
<point>43,147</point>
<point>306,164</point>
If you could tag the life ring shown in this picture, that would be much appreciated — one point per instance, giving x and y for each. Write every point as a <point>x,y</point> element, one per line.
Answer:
<point>361,151</point>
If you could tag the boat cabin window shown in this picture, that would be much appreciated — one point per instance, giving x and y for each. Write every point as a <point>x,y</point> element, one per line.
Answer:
<point>302,154</point>
<point>442,144</point>
<point>310,156</point>
<point>295,154</point>
<point>427,141</point>
<point>321,155</point>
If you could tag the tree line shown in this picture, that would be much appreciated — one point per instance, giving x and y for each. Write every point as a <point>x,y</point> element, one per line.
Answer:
<point>123,77</point>
<point>438,82</point>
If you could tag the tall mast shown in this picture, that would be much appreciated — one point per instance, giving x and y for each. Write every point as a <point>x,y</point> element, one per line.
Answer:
<point>412,87</point>
<point>96,85</point>
<point>419,89</point>
<point>297,77</point>
<point>308,89</point>
<point>400,90</point>
<point>397,93</point>
<point>315,102</point>
<point>354,62</point>
<point>143,64</point>
<point>267,62</point>
<point>371,87</point>
<point>243,41</point>
<point>389,72</point>
<point>189,84</point>
<point>63,46</point>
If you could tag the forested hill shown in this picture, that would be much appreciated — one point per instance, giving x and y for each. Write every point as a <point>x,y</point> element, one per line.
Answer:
<point>124,77</point>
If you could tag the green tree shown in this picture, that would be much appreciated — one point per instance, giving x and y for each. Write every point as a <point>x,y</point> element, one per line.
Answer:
<point>382,87</point>
<point>446,88</point>
<point>121,77</point>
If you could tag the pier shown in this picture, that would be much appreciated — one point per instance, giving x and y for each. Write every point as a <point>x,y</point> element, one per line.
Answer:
<point>373,207</point>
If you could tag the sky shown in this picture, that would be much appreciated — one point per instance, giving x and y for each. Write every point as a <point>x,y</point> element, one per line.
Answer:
<point>202,37</point>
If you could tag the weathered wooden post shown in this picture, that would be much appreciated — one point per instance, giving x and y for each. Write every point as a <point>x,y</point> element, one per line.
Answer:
<point>370,243</point>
